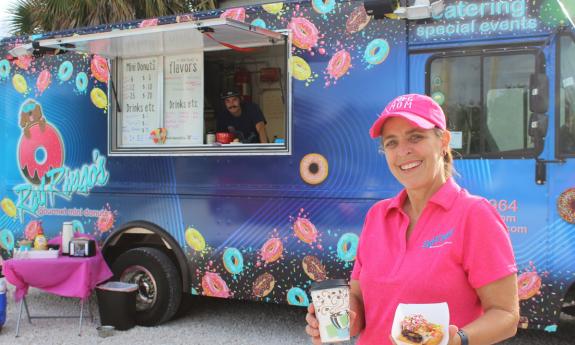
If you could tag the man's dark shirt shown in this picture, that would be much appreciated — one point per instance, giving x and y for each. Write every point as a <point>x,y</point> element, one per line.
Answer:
<point>244,126</point>
<point>566,140</point>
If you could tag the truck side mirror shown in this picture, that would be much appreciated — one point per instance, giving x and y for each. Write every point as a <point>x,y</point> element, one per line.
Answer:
<point>538,93</point>
<point>540,172</point>
<point>538,124</point>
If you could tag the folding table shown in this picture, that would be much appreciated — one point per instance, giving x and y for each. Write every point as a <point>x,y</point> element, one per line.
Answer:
<point>64,276</point>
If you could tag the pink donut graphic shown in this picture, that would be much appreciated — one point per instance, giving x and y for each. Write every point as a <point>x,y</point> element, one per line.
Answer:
<point>148,22</point>
<point>529,284</point>
<point>23,62</point>
<point>304,33</point>
<point>339,64</point>
<point>41,147</point>
<point>105,221</point>
<point>272,250</point>
<point>44,80</point>
<point>41,152</point>
<point>213,285</point>
<point>99,67</point>
<point>182,18</point>
<point>305,230</point>
<point>235,14</point>
<point>32,229</point>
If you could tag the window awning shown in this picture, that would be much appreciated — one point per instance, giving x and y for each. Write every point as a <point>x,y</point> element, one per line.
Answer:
<point>168,39</point>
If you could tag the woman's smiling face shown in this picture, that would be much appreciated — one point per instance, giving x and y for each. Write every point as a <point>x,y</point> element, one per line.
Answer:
<point>413,154</point>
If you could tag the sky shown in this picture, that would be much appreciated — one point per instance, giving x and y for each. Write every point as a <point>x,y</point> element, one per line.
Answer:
<point>4,6</point>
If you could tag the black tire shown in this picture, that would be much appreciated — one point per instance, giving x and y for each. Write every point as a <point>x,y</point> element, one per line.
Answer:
<point>186,304</point>
<point>159,283</point>
<point>569,302</point>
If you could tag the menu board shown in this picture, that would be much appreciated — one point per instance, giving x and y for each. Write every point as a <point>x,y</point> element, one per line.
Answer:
<point>184,99</point>
<point>162,92</point>
<point>141,112</point>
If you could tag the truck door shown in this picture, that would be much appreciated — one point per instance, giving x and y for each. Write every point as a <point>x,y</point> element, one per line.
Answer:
<point>561,176</point>
<point>485,94</point>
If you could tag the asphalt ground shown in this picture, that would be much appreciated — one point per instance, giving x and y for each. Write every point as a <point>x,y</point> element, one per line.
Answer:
<point>210,321</point>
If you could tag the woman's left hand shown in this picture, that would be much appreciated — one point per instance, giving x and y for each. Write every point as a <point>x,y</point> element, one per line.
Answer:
<point>452,332</point>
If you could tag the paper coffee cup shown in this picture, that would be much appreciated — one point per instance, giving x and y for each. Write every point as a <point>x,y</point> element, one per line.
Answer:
<point>331,301</point>
<point>210,138</point>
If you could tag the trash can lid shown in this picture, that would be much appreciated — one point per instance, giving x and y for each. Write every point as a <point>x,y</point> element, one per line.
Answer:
<point>118,286</point>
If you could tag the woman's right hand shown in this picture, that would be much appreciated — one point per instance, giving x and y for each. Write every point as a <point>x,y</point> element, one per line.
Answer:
<point>312,328</point>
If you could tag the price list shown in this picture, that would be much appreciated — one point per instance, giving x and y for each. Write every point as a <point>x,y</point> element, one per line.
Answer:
<point>184,99</point>
<point>141,112</point>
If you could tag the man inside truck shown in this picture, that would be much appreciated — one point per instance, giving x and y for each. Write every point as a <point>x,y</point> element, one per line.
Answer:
<point>244,120</point>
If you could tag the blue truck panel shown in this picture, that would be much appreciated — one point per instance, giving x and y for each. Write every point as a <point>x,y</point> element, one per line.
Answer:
<point>238,218</point>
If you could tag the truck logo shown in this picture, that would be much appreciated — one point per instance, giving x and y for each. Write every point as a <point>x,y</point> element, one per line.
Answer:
<point>64,182</point>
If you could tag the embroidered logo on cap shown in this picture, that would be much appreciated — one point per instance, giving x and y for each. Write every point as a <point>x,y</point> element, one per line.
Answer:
<point>401,102</point>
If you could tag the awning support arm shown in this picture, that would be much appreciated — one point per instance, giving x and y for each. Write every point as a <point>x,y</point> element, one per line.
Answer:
<point>208,32</point>
<point>115,95</point>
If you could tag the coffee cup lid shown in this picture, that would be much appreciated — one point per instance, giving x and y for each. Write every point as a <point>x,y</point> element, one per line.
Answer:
<point>328,284</point>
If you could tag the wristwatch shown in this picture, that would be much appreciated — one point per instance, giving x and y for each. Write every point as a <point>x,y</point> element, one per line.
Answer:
<point>464,340</point>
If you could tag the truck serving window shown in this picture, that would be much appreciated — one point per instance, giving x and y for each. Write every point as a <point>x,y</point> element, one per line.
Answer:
<point>566,81</point>
<point>167,82</point>
<point>485,98</point>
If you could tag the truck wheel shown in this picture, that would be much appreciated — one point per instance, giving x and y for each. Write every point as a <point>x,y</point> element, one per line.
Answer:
<point>186,305</point>
<point>159,283</point>
<point>569,302</point>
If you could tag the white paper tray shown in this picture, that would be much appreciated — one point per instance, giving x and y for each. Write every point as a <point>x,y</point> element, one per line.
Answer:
<point>437,313</point>
<point>35,254</point>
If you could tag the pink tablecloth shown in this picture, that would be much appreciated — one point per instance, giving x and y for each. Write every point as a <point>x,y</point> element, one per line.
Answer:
<point>64,276</point>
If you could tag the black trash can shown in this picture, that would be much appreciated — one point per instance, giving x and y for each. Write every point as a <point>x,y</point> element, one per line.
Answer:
<point>117,304</point>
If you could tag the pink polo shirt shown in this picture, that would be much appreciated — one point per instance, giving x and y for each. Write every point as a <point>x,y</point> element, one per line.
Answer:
<point>458,245</point>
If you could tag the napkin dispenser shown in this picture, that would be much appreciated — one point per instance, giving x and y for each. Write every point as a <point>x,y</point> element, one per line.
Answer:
<point>82,247</point>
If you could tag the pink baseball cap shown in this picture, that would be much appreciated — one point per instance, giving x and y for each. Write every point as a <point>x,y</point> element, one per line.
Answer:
<point>420,110</point>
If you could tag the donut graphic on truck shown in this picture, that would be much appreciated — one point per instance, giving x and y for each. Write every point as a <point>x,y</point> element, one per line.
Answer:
<point>40,147</point>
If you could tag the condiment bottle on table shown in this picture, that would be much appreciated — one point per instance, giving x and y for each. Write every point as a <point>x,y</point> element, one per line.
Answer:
<point>40,242</point>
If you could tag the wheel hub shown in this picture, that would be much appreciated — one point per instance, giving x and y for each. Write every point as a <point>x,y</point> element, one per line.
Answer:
<point>147,289</point>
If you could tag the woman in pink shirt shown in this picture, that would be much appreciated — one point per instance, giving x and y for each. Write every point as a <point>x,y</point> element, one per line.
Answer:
<point>433,242</point>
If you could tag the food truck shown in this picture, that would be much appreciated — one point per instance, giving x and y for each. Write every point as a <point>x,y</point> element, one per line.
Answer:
<point>108,127</point>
